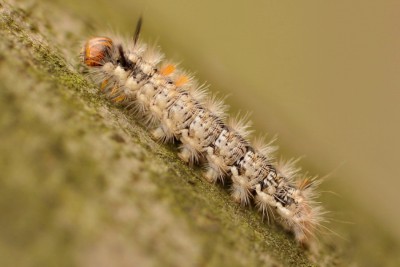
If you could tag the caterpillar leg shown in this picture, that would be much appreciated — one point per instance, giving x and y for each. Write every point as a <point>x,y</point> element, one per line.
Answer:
<point>240,188</point>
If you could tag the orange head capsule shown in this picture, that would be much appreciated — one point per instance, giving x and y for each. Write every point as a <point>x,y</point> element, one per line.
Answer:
<point>96,51</point>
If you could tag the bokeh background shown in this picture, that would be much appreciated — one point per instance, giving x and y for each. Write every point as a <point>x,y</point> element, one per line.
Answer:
<point>322,75</point>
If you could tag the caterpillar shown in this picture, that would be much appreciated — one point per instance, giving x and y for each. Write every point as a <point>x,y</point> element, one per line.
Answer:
<point>175,107</point>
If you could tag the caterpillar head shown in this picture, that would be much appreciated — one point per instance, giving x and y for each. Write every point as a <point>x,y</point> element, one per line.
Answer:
<point>97,51</point>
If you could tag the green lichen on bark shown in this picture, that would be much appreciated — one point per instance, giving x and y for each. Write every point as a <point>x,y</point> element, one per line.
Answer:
<point>82,182</point>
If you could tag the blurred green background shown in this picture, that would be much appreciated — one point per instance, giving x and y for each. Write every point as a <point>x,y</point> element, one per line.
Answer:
<point>322,75</point>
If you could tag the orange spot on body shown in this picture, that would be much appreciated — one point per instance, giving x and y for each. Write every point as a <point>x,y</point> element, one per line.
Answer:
<point>167,70</point>
<point>103,84</point>
<point>181,80</point>
<point>119,98</point>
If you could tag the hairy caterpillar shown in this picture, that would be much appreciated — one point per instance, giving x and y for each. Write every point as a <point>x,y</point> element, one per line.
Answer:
<point>175,107</point>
